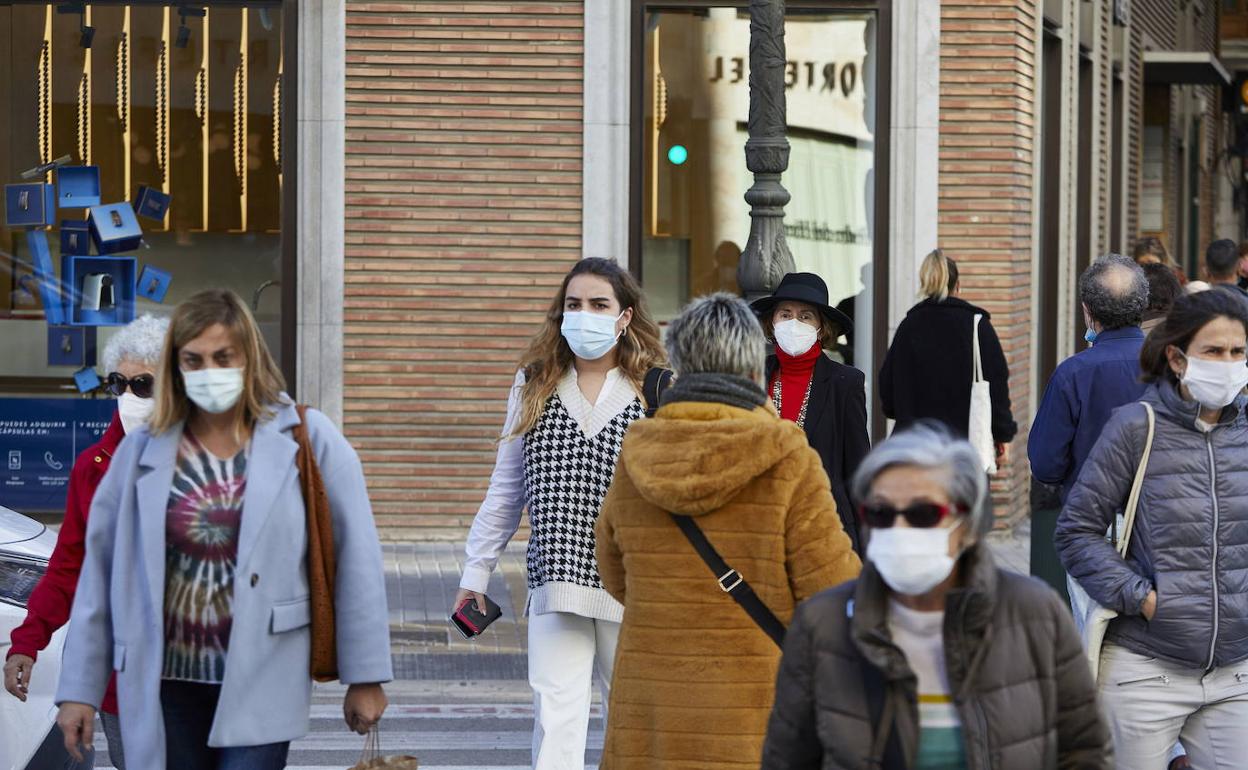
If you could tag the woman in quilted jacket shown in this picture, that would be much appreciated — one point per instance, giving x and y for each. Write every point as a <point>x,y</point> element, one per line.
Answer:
<point>935,658</point>
<point>1175,662</point>
<point>694,673</point>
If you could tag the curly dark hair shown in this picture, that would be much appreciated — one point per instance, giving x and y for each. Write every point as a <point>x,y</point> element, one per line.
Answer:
<point>1115,291</point>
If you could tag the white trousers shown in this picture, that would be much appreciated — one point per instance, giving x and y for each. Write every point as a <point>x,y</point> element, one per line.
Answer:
<point>566,653</point>
<point>1151,704</point>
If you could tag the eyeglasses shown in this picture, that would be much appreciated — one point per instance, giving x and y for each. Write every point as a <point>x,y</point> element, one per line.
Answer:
<point>140,386</point>
<point>917,515</point>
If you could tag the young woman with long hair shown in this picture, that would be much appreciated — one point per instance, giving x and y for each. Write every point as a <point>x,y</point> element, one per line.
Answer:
<point>579,387</point>
<point>194,588</point>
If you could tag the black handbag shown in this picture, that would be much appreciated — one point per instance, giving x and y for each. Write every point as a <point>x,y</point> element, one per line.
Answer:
<point>730,581</point>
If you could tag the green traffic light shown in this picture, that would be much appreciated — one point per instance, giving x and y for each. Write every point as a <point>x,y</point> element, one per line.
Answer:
<point>678,154</point>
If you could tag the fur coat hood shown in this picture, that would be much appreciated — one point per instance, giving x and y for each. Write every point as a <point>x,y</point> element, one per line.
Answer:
<point>694,457</point>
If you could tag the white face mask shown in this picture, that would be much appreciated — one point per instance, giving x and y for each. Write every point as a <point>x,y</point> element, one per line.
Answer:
<point>216,391</point>
<point>590,335</point>
<point>912,561</point>
<point>134,411</point>
<point>795,337</point>
<point>1215,384</point>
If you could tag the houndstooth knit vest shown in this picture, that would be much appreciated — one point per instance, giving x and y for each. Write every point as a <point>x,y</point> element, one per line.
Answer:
<point>566,477</point>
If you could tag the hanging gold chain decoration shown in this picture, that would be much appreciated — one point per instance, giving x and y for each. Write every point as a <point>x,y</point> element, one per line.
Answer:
<point>84,117</point>
<point>123,81</point>
<point>162,111</point>
<point>45,102</point>
<point>277,122</point>
<point>240,139</point>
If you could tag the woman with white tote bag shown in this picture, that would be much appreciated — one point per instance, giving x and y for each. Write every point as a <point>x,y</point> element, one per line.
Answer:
<point>947,364</point>
<point>1173,663</point>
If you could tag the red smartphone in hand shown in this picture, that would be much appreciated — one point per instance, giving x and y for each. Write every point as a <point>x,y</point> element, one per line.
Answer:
<point>470,621</point>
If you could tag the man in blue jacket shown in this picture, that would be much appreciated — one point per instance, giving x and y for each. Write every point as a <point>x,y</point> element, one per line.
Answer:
<point>1090,385</point>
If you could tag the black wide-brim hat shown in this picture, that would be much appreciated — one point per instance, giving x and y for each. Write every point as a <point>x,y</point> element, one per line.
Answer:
<point>808,288</point>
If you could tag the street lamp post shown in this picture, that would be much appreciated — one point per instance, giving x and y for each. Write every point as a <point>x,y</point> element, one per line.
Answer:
<point>766,258</point>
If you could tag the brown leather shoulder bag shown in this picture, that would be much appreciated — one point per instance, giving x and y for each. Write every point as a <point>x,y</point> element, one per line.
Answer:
<point>322,564</point>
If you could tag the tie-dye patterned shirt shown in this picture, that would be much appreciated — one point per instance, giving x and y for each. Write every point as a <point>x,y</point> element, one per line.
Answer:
<point>201,549</point>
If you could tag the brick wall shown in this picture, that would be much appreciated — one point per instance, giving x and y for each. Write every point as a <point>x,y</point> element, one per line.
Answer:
<point>987,123</point>
<point>463,212</point>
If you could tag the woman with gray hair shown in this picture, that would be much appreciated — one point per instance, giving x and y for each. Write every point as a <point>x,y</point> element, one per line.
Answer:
<point>694,671</point>
<point>131,359</point>
<point>934,657</point>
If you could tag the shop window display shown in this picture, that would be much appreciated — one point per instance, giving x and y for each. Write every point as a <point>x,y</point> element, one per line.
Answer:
<point>157,131</point>
<point>695,97</point>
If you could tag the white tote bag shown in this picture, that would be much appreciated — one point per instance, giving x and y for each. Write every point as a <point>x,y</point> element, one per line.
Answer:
<point>1092,618</point>
<point>979,427</point>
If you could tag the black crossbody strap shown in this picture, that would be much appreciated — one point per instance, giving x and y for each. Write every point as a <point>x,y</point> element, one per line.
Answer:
<point>730,581</point>
<point>657,381</point>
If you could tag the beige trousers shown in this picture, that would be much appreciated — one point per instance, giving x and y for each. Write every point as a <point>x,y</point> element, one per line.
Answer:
<point>1151,704</point>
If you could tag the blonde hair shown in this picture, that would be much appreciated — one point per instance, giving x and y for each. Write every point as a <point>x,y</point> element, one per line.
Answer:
<point>263,384</point>
<point>548,356</point>
<point>938,276</point>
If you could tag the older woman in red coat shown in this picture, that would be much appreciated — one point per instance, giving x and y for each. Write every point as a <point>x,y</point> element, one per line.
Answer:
<point>131,358</point>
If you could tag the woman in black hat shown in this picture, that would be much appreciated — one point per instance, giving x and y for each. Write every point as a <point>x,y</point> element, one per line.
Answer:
<point>826,399</point>
<point>929,367</point>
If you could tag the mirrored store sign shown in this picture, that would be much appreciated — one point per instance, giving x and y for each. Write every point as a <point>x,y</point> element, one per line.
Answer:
<point>696,97</point>
<point>159,126</point>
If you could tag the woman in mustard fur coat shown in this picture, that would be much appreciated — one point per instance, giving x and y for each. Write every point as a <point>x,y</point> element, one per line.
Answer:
<point>694,676</point>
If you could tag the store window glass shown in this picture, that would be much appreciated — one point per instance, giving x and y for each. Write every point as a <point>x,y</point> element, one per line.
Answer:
<point>174,112</point>
<point>695,222</point>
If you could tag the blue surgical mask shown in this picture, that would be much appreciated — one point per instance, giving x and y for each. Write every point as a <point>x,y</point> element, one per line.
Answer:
<point>1090,336</point>
<point>590,335</point>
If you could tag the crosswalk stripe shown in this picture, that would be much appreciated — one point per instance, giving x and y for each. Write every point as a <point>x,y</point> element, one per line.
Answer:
<point>412,742</point>
<point>475,711</point>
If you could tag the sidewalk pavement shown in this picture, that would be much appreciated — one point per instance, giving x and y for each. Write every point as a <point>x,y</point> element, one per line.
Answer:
<point>421,581</point>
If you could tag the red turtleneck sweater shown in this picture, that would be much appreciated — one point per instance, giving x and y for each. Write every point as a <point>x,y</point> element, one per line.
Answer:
<point>794,374</point>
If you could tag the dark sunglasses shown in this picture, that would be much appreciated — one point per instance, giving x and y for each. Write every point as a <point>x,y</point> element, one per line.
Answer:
<point>917,515</point>
<point>140,386</point>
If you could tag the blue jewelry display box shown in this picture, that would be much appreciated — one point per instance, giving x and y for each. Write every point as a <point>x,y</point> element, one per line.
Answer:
<point>114,228</point>
<point>154,284</point>
<point>101,290</point>
<point>151,203</point>
<point>72,346</point>
<point>75,237</point>
<point>78,187</point>
<point>29,205</point>
<point>86,379</point>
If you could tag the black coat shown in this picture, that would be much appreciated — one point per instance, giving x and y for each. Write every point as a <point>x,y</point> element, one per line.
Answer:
<point>836,427</point>
<point>928,370</point>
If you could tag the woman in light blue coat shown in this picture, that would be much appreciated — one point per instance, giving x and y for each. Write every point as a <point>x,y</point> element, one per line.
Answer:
<point>195,588</point>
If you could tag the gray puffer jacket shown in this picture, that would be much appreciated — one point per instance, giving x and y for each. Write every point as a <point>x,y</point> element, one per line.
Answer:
<point>1191,531</point>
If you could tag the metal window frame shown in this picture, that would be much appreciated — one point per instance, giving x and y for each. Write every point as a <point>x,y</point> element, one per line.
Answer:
<point>289,197</point>
<point>883,10</point>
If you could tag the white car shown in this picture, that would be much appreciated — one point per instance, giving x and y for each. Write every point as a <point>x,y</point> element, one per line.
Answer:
<point>25,547</point>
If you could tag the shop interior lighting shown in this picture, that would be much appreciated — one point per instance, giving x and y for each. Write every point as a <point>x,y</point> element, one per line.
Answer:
<point>86,33</point>
<point>184,32</point>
